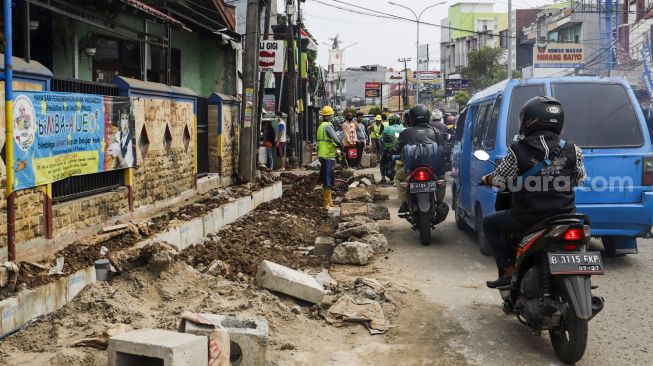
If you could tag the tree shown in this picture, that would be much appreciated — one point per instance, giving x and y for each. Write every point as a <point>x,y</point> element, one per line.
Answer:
<point>376,110</point>
<point>484,68</point>
<point>461,98</point>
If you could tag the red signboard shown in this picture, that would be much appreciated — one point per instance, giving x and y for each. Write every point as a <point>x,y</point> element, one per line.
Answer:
<point>372,85</point>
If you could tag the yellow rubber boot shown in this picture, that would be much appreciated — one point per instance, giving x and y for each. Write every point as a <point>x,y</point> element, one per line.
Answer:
<point>326,196</point>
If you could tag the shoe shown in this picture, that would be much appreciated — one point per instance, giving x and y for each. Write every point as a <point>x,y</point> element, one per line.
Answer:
<point>501,282</point>
<point>403,208</point>
<point>383,181</point>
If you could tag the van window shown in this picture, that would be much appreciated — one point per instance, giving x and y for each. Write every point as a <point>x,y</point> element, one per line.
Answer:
<point>612,122</point>
<point>480,124</point>
<point>520,95</point>
<point>491,134</point>
<point>460,125</point>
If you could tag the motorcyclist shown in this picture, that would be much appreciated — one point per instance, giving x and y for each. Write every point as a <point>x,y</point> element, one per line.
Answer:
<point>389,138</point>
<point>328,143</point>
<point>541,170</point>
<point>436,122</point>
<point>420,133</point>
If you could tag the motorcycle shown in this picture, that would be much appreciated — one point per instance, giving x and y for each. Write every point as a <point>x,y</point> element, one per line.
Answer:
<point>551,287</point>
<point>425,201</point>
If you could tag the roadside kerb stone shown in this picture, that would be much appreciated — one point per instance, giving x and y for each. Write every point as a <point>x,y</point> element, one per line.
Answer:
<point>352,252</point>
<point>378,242</point>
<point>248,336</point>
<point>353,209</point>
<point>230,212</point>
<point>174,349</point>
<point>244,205</point>
<point>191,232</point>
<point>172,236</point>
<point>287,281</point>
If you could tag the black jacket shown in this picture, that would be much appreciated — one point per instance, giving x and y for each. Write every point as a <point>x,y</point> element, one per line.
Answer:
<point>418,135</point>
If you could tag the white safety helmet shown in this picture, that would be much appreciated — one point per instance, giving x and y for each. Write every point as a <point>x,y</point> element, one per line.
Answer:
<point>436,115</point>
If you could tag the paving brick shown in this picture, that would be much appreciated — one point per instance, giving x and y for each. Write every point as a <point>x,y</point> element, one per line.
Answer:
<point>324,246</point>
<point>156,346</point>
<point>282,279</point>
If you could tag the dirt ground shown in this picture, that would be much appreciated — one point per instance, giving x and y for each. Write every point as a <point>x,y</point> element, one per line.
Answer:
<point>156,295</point>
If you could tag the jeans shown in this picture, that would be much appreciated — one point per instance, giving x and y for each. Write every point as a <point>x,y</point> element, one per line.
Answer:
<point>269,157</point>
<point>494,226</point>
<point>384,163</point>
<point>326,172</point>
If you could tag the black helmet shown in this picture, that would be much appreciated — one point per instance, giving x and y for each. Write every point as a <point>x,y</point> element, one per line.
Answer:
<point>419,114</point>
<point>541,114</point>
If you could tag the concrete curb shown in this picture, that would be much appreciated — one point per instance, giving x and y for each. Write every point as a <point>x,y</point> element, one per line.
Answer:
<point>17,311</point>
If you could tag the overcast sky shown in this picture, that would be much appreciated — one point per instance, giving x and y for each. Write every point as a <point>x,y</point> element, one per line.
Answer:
<point>383,41</point>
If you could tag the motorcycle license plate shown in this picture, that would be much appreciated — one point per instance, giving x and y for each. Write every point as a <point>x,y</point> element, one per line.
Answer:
<point>431,186</point>
<point>575,263</point>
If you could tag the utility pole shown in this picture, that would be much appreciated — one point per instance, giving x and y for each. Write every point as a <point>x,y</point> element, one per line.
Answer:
<point>510,39</point>
<point>406,100</point>
<point>292,75</point>
<point>266,36</point>
<point>302,91</point>
<point>248,134</point>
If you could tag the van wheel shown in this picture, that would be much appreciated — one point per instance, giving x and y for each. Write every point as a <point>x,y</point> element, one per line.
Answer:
<point>483,244</point>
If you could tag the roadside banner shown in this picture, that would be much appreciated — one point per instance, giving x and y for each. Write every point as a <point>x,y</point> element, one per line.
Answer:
<point>372,89</point>
<point>559,55</point>
<point>59,135</point>
<point>647,77</point>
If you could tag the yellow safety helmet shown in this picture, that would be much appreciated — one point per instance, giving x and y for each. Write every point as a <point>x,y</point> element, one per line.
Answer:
<point>378,117</point>
<point>327,111</point>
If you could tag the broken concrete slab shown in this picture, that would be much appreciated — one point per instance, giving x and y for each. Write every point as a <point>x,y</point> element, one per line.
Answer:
<point>282,279</point>
<point>357,218</point>
<point>326,280</point>
<point>334,215</point>
<point>157,346</point>
<point>358,194</point>
<point>366,181</point>
<point>353,209</point>
<point>357,231</point>
<point>352,252</point>
<point>248,336</point>
<point>378,242</point>
<point>378,212</point>
<point>324,246</point>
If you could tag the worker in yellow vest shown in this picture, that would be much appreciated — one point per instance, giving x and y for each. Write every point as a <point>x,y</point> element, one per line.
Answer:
<point>328,143</point>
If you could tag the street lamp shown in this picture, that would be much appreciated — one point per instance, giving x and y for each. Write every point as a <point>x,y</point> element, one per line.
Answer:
<point>417,19</point>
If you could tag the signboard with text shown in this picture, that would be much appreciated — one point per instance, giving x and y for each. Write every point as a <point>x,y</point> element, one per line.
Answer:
<point>558,55</point>
<point>271,56</point>
<point>372,89</point>
<point>59,135</point>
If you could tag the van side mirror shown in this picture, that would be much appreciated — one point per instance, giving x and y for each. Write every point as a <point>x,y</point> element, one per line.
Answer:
<point>481,155</point>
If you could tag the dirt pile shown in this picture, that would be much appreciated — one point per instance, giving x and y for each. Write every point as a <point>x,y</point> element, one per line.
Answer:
<point>282,231</point>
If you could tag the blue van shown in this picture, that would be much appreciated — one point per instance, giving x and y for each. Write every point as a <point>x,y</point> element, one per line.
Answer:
<point>602,116</point>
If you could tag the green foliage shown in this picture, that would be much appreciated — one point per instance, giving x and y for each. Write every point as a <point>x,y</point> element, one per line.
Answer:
<point>351,110</point>
<point>484,68</point>
<point>462,98</point>
<point>376,110</point>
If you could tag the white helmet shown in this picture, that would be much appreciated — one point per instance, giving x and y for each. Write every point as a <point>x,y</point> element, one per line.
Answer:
<point>436,115</point>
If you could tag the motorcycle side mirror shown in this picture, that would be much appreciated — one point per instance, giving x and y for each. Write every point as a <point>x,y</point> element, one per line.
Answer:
<point>481,155</point>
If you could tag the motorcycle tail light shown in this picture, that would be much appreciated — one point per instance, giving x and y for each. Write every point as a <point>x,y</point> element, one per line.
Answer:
<point>422,175</point>
<point>647,174</point>
<point>573,234</point>
<point>571,247</point>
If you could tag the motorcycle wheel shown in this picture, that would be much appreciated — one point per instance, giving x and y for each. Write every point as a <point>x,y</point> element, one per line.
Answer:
<point>570,340</point>
<point>424,224</point>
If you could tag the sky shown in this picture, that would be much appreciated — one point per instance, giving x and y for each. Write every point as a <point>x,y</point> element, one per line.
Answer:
<point>383,41</point>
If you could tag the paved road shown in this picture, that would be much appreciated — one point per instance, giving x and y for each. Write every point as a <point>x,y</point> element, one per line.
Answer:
<point>452,272</point>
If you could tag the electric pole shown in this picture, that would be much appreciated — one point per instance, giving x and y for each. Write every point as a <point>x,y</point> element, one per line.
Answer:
<point>261,89</point>
<point>405,61</point>
<point>248,134</point>
<point>292,76</point>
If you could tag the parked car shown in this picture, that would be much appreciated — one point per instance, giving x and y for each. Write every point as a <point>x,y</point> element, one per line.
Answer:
<point>602,116</point>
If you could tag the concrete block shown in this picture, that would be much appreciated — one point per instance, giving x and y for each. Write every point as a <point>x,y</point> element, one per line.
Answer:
<point>282,279</point>
<point>258,198</point>
<point>244,206</point>
<point>217,216</point>
<point>172,236</point>
<point>208,223</point>
<point>34,303</point>
<point>9,315</point>
<point>209,183</point>
<point>157,347</point>
<point>76,283</point>
<point>248,336</point>
<point>353,209</point>
<point>324,246</point>
<point>230,212</point>
<point>278,190</point>
<point>334,215</point>
<point>191,232</point>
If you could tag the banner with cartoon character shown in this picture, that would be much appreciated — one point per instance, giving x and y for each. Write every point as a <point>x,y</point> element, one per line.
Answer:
<point>59,135</point>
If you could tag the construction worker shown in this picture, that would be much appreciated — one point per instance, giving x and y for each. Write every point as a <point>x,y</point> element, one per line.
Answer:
<point>375,133</point>
<point>328,143</point>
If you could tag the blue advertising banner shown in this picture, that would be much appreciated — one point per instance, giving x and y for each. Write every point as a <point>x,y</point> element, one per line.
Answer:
<point>59,135</point>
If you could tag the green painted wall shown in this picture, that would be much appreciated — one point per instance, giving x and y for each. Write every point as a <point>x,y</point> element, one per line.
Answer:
<point>466,20</point>
<point>206,67</point>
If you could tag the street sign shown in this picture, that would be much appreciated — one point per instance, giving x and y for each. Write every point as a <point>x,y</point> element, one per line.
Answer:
<point>456,84</point>
<point>271,56</point>
<point>428,75</point>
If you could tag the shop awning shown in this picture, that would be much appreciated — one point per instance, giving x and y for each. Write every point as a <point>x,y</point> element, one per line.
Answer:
<point>156,13</point>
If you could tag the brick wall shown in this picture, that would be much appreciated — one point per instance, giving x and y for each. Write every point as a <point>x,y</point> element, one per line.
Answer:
<point>88,211</point>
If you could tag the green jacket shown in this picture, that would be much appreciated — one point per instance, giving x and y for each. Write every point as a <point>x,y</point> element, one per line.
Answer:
<point>390,136</point>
